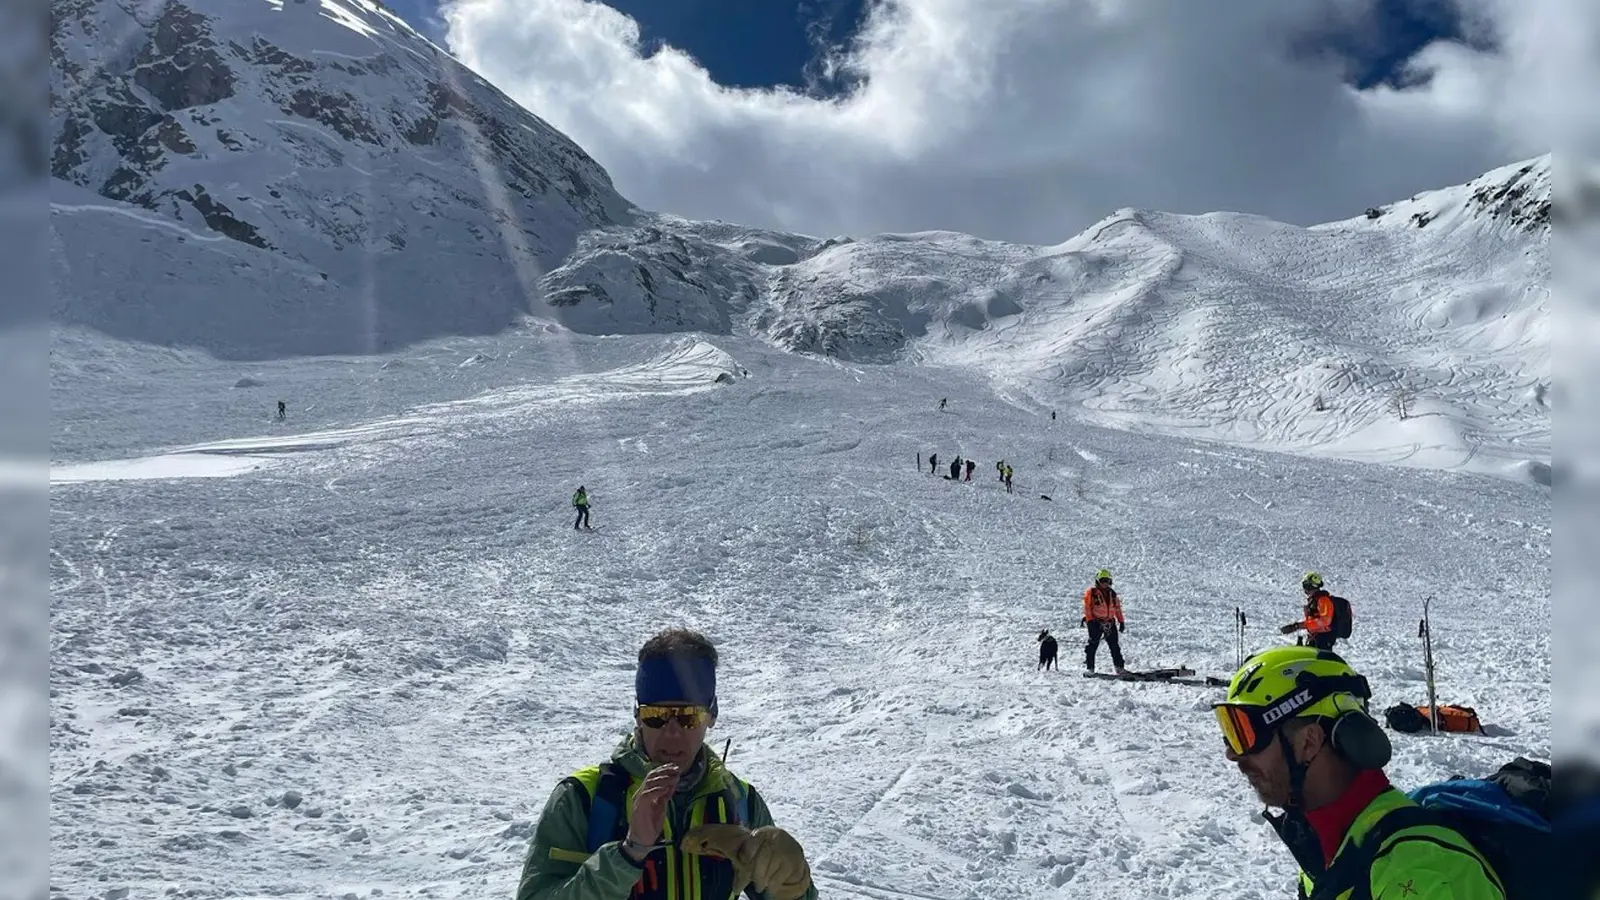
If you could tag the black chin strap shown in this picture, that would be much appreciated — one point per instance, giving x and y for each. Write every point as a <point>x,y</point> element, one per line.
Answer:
<point>1292,825</point>
<point>1297,774</point>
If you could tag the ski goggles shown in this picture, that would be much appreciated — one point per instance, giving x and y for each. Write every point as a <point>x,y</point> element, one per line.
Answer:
<point>657,716</point>
<point>1243,728</point>
<point>1249,729</point>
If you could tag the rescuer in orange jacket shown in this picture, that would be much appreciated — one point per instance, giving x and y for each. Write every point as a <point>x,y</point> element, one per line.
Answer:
<point>1317,618</point>
<point>1102,615</point>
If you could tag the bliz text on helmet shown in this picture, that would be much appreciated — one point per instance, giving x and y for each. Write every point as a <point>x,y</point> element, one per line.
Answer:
<point>1288,706</point>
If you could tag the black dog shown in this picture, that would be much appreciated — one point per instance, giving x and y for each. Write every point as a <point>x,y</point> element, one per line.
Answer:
<point>1047,651</point>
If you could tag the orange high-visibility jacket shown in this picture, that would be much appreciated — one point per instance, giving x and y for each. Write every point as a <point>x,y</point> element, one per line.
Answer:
<point>1319,613</point>
<point>1103,605</point>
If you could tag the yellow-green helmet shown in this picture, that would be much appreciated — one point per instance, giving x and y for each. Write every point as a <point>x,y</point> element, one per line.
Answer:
<point>1271,675</point>
<point>1283,683</point>
<point>1102,575</point>
<point>1312,580</point>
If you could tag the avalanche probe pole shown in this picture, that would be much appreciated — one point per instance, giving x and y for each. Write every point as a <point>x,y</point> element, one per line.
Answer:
<point>1238,638</point>
<point>1425,631</point>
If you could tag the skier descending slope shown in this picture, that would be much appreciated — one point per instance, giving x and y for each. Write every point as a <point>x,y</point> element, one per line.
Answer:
<point>1295,723</point>
<point>619,830</point>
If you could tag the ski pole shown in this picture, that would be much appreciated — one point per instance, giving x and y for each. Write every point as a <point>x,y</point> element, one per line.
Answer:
<point>1238,634</point>
<point>1425,630</point>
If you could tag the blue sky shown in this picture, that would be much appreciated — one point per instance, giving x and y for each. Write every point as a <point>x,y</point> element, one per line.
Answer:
<point>766,43</point>
<point>1025,120</point>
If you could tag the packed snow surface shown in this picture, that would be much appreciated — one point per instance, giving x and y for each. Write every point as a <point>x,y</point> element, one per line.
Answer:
<point>357,658</point>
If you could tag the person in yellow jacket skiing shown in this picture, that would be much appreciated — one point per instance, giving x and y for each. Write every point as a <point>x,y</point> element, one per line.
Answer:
<point>1295,724</point>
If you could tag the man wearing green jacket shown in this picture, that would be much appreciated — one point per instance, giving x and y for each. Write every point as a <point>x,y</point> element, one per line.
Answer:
<point>609,832</point>
<point>1295,723</point>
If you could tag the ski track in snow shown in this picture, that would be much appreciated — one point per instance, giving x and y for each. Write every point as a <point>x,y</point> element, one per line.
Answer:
<point>393,617</point>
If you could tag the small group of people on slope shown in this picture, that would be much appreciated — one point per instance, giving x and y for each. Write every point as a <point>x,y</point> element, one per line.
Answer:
<point>961,469</point>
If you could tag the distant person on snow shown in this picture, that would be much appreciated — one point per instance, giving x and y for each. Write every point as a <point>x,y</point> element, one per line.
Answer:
<point>933,464</point>
<point>1318,619</point>
<point>955,469</point>
<point>615,831</point>
<point>941,403</point>
<point>970,466</point>
<point>1102,615</point>
<point>580,502</point>
<point>283,409</point>
<point>1006,477</point>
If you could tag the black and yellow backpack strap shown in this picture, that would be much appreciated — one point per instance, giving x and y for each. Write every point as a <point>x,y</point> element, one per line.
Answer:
<point>707,877</point>
<point>603,795</point>
<point>602,792</point>
<point>581,787</point>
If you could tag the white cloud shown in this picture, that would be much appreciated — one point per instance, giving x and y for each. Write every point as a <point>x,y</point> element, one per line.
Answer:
<point>1029,119</point>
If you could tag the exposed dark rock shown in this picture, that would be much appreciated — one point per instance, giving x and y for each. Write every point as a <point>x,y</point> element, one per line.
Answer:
<point>221,219</point>
<point>266,53</point>
<point>172,136</point>
<point>69,150</point>
<point>1510,199</point>
<point>340,111</point>
<point>180,66</point>
<point>126,184</point>
<point>124,117</point>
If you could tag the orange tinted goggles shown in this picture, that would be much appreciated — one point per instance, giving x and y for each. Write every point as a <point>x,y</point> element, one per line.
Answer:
<point>1242,728</point>
<point>653,716</point>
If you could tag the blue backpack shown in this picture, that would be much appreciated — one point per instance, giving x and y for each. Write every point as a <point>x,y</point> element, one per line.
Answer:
<point>1503,816</point>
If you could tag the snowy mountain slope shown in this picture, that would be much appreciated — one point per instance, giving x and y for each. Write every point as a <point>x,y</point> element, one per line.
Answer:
<point>264,178</point>
<point>1223,325</point>
<point>362,666</point>
<point>326,133</point>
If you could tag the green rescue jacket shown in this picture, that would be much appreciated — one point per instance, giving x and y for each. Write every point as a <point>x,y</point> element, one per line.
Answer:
<point>1426,862</point>
<point>559,867</point>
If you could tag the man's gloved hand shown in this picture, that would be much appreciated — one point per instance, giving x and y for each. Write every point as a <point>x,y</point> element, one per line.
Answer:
<point>1121,627</point>
<point>1083,623</point>
<point>778,866</point>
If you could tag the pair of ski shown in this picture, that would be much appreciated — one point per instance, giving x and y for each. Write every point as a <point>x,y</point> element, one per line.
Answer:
<point>1177,675</point>
<point>1184,674</point>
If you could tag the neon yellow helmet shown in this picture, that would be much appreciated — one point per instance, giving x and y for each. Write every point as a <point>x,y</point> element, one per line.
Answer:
<point>1284,683</point>
<point>1103,575</point>
<point>1312,580</point>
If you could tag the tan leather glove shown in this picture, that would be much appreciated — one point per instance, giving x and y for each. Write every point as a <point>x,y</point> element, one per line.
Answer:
<point>778,866</point>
